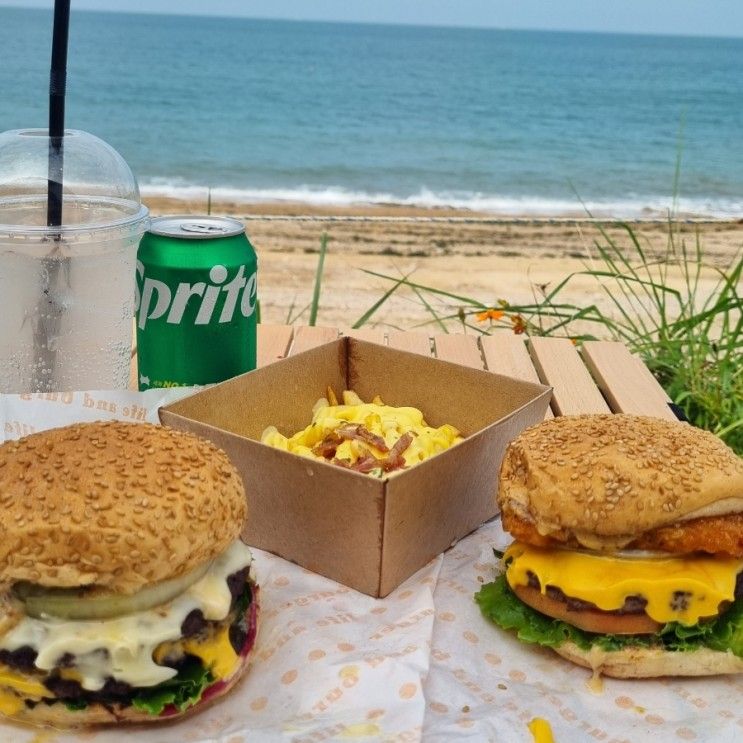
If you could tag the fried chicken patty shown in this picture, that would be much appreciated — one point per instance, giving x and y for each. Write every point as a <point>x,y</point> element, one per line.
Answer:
<point>716,535</point>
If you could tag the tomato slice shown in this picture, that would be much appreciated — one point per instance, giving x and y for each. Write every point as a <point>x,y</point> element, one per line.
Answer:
<point>590,620</point>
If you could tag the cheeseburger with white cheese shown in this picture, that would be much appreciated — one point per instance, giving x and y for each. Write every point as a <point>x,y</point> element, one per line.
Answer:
<point>628,556</point>
<point>125,592</point>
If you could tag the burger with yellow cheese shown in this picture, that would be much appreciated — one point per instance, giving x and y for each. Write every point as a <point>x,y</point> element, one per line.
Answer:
<point>125,592</point>
<point>628,556</point>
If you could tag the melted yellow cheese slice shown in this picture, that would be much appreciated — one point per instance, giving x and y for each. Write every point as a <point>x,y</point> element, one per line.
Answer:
<point>216,652</point>
<point>23,684</point>
<point>677,589</point>
<point>9,703</point>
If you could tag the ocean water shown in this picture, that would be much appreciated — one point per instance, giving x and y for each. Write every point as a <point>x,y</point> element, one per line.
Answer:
<point>511,122</point>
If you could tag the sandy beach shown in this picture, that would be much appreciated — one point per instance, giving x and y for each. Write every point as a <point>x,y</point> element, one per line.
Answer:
<point>472,255</point>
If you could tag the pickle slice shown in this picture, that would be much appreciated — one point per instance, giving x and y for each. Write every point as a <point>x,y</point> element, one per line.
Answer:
<point>95,603</point>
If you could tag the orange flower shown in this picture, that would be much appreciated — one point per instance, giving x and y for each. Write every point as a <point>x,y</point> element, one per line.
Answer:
<point>574,341</point>
<point>519,324</point>
<point>491,314</point>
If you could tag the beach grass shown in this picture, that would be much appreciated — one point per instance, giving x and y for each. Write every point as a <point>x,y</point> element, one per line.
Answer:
<point>315,303</point>
<point>691,340</point>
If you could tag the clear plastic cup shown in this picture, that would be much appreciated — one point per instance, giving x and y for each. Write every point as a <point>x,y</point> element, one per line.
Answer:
<point>66,293</point>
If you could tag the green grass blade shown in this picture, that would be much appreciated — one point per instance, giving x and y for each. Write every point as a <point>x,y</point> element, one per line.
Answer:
<point>370,312</point>
<point>436,318</point>
<point>439,292</point>
<point>314,305</point>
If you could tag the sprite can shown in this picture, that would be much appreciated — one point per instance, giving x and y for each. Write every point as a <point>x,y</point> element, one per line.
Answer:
<point>196,301</point>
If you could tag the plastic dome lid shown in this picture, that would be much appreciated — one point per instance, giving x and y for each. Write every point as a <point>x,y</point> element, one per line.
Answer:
<point>98,187</point>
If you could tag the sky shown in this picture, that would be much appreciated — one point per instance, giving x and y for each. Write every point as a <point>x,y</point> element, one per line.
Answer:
<point>689,17</point>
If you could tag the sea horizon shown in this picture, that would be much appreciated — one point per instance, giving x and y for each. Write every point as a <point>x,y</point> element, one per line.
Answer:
<point>464,27</point>
<point>500,121</point>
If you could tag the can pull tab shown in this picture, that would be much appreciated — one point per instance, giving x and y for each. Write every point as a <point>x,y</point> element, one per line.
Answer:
<point>202,228</point>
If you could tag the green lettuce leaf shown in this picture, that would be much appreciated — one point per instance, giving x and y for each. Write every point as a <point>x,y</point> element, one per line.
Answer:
<point>182,690</point>
<point>75,704</point>
<point>242,603</point>
<point>727,632</point>
<point>501,605</point>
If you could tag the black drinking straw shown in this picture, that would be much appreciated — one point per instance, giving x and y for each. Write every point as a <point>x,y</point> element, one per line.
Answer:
<point>57,87</point>
<point>56,269</point>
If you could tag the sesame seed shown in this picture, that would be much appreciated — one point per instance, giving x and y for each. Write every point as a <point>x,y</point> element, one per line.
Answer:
<point>141,475</point>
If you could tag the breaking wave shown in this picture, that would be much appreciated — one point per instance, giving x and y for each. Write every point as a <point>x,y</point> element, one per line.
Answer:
<point>650,206</point>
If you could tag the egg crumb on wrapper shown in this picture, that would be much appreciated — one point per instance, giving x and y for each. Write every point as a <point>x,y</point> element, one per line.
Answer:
<point>371,438</point>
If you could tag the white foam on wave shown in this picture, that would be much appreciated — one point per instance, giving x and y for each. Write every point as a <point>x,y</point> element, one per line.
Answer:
<point>658,206</point>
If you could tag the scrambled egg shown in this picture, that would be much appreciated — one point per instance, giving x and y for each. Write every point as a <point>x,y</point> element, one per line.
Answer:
<point>372,438</point>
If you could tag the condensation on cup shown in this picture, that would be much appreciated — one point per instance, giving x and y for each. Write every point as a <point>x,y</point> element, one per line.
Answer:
<point>67,292</point>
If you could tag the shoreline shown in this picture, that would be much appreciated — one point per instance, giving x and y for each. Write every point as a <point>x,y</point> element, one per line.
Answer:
<point>468,254</point>
<point>394,210</point>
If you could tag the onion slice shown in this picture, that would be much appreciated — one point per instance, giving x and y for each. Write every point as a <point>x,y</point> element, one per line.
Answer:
<point>92,603</point>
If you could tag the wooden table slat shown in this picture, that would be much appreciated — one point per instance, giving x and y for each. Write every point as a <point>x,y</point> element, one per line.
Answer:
<point>412,342</point>
<point>310,336</point>
<point>558,364</point>
<point>506,353</point>
<point>372,335</point>
<point>273,342</point>
<point>459,349</point>
<point>626,382</point>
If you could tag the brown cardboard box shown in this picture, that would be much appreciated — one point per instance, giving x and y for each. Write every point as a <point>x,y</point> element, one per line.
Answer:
<point>367,533</point>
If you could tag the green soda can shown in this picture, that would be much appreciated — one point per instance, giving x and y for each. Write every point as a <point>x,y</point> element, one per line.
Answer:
<point>196,302</point>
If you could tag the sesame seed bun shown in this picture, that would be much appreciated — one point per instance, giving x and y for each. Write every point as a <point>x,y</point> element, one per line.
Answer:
<point>116,505</point>
<point>601,481</point>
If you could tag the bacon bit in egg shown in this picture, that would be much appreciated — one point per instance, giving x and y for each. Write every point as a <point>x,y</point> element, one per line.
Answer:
<point>360,433</point>
<point>395,460</point>
<point>371,438</point>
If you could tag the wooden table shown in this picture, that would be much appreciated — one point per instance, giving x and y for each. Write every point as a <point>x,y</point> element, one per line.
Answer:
<point>601,377</point>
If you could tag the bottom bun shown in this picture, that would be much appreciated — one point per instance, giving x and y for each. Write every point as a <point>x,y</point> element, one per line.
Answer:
<point>646,662</point>
<point>58,716</point>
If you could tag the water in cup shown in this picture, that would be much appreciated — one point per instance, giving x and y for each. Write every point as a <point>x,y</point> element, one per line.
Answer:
<point>67,291</point>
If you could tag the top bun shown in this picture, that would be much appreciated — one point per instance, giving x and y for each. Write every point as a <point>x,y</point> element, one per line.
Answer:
<point>602,480</point>
<point>116,505</point>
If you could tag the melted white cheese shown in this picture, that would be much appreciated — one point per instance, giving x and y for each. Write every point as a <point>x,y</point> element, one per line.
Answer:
<point>122,647</point>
